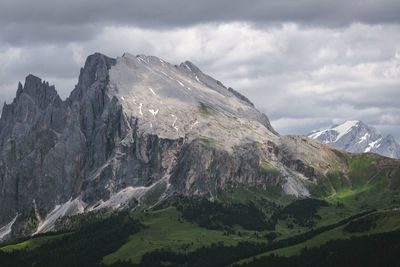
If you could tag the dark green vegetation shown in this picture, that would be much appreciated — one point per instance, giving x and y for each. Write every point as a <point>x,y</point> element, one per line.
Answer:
<point>302,212</point>
<point>204,110</point>
<point>373,250</point>
<point>354,222</point>
<point>220,216</point>
<point>164,237</point>
<point>85,247</point>
<point>363,225</point>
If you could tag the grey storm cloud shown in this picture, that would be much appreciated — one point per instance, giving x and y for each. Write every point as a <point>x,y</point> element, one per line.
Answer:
<point>306,63</point>
<point>49,20</point>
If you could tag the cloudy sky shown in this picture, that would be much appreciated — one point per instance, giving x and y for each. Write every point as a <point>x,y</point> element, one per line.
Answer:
<point>305,63</point>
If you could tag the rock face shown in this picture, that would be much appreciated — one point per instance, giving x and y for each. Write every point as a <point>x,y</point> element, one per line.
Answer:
<point>357,137</point>
<point>134,131</point>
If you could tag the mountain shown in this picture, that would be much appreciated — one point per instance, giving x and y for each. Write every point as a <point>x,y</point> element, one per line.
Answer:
<point>357,137</point>
<point>152,164</point>
<point>136,132</point>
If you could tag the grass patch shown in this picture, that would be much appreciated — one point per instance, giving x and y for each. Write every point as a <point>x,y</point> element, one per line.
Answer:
<point>360,170</point>
<point>204,110</point>
<point>268,169</point>
<point>32,243</point>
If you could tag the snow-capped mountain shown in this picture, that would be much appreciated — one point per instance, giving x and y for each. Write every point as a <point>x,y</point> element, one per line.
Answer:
<point>357,137</point>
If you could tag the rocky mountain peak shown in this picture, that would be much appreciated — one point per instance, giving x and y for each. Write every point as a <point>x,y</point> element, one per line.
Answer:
<point>357,137</point>
<point>39,91</point>
<point>31,98</point>
<point>94,72</point>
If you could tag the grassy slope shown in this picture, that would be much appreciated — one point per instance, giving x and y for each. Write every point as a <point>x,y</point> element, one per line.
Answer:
<point>32,243</point>
<point>166,230</point>
<point>372,182</point>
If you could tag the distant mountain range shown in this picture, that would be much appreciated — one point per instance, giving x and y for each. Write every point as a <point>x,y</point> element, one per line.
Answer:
<point>357,137</point>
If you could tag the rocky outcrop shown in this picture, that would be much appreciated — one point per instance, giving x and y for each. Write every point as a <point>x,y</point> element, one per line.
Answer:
<point>202,168</point>
<point>30,129</point>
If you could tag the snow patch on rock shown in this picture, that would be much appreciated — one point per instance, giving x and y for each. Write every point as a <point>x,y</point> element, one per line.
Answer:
<point>153,112</point>
<point>372,145</point>
<point>180,83</point>
<point>152,91</point>
<point>363,138</point>
<point>140,108</point>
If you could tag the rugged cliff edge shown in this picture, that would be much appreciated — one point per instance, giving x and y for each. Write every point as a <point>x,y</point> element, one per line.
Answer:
<point>134,131</point>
